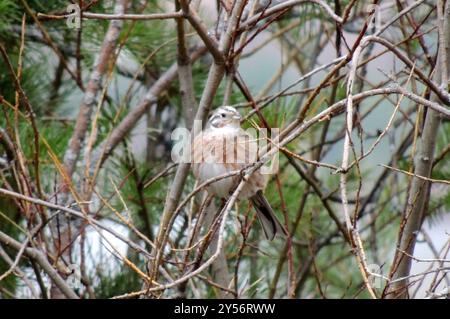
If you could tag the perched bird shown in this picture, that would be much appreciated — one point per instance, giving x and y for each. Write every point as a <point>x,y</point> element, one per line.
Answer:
<point>225,147</point>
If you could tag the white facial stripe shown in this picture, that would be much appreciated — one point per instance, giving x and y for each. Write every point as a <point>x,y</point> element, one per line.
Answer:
<point>216,120</point>
<point>213,117</point>
<point>230,109</point>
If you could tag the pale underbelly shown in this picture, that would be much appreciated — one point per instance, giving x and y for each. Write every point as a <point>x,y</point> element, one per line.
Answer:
<point>225,187</point>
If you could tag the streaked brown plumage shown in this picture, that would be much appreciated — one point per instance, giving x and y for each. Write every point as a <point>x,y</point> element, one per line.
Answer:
<point>224,147</point>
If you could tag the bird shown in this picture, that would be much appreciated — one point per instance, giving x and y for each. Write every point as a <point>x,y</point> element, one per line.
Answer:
<point>223,147</point>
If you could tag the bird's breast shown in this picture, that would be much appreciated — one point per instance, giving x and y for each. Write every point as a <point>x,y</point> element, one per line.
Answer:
<point>222,151</point>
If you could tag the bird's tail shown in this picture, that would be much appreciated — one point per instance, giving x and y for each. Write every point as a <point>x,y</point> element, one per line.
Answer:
<point>269,222</point>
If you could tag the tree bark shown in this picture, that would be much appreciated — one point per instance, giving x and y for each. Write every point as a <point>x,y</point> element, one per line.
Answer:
<point>423,162</point>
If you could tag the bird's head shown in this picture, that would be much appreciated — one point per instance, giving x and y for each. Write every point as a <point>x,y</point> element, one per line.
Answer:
<point>225,116</point>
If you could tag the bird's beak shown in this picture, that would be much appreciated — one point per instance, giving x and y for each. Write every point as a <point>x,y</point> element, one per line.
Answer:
<point>236,117</point>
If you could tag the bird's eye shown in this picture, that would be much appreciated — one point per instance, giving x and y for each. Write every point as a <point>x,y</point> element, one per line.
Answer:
<point>223,114</point>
